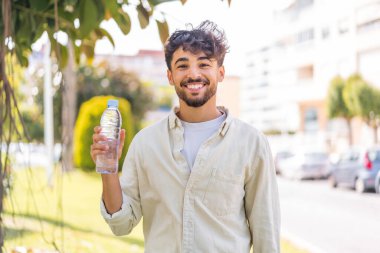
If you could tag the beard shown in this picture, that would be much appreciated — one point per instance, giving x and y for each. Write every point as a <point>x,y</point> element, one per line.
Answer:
<point>195,102</point>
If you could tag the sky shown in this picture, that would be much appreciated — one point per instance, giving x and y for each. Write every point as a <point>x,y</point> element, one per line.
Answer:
<point>246,24</point>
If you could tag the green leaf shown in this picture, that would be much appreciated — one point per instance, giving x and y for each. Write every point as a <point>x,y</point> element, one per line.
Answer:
<point>163,29</point>
<point>112,6</point>
<point>23,30</point>
<point>88,17</point>
<point>77,53</point>
<point>71,2</point>
<point>38,32</point>
<point>88,48</point>
<point>39,5</point>
<point>59,50</point>
<point>22,59</point>
<point>123,21</point>
<point>63,55</point>
<point>143,16</point>
<point>157,2</point>
<point>100,33</point>
<point>89,51</point>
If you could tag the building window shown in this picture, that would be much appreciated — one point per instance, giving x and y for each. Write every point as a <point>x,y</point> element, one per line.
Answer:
<point>311,120</point>
<point>343,26</point>
<point>369,26</point>
<point>305,35</point>
<point>305,72</point>
<point>305,3</point>
<point>325,33</point>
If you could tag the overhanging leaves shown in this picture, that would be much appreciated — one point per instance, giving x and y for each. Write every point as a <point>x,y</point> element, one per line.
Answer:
<point>100,33</point>
<point>163,30</point>
<point>157,2</point>
<point>143,16</point>
<point>87,17</point>
<point>39,5</point>
<point>123,21</point>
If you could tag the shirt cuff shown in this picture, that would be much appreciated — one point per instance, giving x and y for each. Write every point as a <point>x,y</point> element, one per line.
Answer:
<point>117,217</point>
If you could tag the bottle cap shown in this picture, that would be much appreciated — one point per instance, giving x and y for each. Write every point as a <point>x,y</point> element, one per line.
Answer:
<point>113,103</point>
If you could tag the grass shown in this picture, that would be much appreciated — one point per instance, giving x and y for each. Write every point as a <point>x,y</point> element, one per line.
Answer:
<point>66,218</point>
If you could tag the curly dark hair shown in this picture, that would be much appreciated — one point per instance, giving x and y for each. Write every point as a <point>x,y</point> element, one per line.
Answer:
<point>207,38</point>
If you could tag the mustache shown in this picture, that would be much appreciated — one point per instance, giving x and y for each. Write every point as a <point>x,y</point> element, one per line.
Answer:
<point>197,80</point>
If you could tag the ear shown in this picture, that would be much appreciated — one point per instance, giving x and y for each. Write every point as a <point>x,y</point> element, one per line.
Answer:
<point>170,76</point>
<point>221,73</point>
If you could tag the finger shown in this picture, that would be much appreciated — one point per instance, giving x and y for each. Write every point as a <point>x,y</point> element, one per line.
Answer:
<point>98,146</point>
<point>97,129</point>
<point>98,137</point>
<point>95,153</point>
<point>122,136</point>
<point>121,143</point>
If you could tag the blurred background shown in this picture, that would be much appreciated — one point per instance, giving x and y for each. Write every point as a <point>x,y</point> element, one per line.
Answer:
<point>304,72</point>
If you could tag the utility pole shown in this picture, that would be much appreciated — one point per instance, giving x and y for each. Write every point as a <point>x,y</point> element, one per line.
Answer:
<point>48,115</point>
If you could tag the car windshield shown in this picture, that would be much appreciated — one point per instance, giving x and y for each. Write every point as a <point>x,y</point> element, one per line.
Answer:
<point>315,156</point>
<point>374,155</point>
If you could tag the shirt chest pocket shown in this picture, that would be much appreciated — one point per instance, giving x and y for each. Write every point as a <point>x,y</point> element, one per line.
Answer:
<point>224,193</point>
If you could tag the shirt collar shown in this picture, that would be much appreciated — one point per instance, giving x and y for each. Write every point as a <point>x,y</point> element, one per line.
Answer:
<point>174,121</point>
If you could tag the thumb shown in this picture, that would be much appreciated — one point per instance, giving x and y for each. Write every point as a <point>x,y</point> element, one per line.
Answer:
<point>121,143</point>
<point>122,136</point>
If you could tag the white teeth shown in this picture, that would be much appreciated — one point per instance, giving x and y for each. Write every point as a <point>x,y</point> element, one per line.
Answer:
<point>194,86</point>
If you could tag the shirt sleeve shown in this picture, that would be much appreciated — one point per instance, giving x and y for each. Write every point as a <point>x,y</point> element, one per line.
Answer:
<point>262,201</point>
<point>123,221</point>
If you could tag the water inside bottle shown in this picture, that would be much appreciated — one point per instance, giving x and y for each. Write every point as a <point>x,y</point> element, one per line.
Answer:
<point>108,163</point>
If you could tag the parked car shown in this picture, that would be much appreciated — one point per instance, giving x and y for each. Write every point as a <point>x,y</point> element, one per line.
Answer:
<point>377,182</point>
<point>305,165</point>
<point>357,168</point>
<point>279,157</point>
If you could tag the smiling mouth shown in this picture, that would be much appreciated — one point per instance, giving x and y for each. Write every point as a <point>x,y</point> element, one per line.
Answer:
<point>194,86</point>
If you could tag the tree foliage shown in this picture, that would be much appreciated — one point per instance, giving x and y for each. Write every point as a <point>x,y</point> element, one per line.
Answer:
<point>80,20</point>
<point>103,80</point>
<point>335,103</point>
<point>354,97</point>
<point>93,81</point>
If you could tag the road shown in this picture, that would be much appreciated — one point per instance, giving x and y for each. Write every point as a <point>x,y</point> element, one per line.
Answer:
<point>325,220</point>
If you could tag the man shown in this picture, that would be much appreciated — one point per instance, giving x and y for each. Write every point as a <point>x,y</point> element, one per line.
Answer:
<point>202,180</point>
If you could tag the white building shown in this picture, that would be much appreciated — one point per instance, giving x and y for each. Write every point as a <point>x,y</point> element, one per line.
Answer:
<point>286,80</point>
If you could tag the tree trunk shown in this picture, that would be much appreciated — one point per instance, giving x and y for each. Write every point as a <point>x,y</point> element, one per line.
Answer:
<point>350,139</point>
<point>375,133</point>
<point>2,170</point>
<point>69,101</point>
<point>6,20</point>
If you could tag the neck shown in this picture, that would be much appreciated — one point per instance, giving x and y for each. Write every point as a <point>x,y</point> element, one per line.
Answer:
<point>198,114</point>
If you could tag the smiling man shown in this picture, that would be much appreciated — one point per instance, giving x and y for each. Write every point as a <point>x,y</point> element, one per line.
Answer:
<point>203,180</point>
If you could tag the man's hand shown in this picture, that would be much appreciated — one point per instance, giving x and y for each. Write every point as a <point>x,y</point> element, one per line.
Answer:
<point>98,148</point>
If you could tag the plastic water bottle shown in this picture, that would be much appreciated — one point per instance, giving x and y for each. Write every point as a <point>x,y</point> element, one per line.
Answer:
<point>110,123</point>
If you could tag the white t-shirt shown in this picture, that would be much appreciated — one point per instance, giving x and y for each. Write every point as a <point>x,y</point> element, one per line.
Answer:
<point>195,134</point>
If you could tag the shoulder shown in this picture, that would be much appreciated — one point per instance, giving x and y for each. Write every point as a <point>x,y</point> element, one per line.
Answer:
<point>246,130</point>
<point>250,138</point>
<point>152,131</point>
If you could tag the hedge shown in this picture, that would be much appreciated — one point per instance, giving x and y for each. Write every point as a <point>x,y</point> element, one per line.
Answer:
<point>89,116</point>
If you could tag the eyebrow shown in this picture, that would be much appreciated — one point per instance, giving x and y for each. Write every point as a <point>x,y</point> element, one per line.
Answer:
<point>204,58</point>
<point>184,59</point>
<point>181,59</point>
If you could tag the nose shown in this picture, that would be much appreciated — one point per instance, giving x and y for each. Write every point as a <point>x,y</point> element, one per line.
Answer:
<point>193,72</point>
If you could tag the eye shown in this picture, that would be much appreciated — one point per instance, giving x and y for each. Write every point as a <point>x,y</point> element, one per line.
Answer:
<point>183,66</point>
<point>204,65</point>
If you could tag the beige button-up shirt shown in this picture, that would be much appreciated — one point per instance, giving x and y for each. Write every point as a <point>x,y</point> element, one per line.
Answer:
<point>227,203</point>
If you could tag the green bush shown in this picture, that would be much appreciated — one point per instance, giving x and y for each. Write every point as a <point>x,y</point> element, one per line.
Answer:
<point>89,116</point>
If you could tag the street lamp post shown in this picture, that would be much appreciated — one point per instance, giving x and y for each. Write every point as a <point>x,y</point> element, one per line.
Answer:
<point>48,114</point>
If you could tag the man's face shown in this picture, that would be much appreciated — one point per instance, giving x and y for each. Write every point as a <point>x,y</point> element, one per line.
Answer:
<point>195,77</point>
